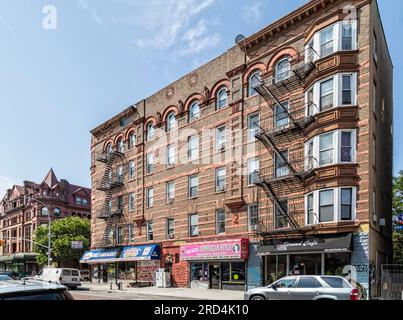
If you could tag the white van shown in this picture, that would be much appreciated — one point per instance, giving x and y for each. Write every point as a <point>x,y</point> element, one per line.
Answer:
<point>70,278</point>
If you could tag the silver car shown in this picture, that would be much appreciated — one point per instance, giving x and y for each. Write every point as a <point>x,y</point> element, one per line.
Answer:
<point>307,288</point>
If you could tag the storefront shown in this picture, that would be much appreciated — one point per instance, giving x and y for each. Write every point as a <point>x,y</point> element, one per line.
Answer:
<point>135,264</point>
<point>325,255</point>
<point>23,263</point>
<point>217,265</point>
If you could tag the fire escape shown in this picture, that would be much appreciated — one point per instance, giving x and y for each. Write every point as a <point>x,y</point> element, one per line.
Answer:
<point>109,184</point>
<point>289,169</point>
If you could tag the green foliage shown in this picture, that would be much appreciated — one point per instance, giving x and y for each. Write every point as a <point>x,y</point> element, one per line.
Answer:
<point>63,231</point>
<point>398,247</point>
<point>397,209</point>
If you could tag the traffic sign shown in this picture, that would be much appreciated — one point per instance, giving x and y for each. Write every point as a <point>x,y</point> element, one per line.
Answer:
<point>76,245</point>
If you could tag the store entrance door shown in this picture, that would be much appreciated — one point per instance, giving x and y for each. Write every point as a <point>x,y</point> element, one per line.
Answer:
<point>215,276</point>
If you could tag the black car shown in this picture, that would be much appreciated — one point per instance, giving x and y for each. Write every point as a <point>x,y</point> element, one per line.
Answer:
<point>33,290</point>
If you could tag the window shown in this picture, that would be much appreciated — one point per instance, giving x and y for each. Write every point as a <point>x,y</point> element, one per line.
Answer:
<point>171,155</point>
<point>233,272</point>
<point>326,206</point>
<point>171,122</point>
<point>220,179</point>
<point>132,202</point>
<point>346,204</point>
<point>150,131</point>
<point>193,148</point>
<point>150,197</point>
<point>326,149</point>
<point>194,225</point>
<point>254,80</point>
<point>170,191</point>
<point>311,51</point>
<point>85,202</point>
<point>375,102</point>
<point>132,169</point>
<point>281,116</point>
<point>57,212</point>
<point>335,282</point>
<point>326,95</point>
<point>326,42</point>
<point>150,231</point>
<point>108,149</point>
<point>121,145</point>
<point>78,200</point>
<point>374,217</point>
<point>346,36</point>
<point>119,235</point>
<point>170,229</point>
<point>281,214</point>
<point>194,112</point>
<point>132,140</point>
<point>44,212</point>
<point>131,233</point>
<point>346,148</point>
<point>311,102</point>
<point>281,166</point>
<point>253,125</point>
<point>310,164</point>
<point>286,283</point>
<point>253,171</point>
<point>193,186</point>
<point>150,163</point>
<point>220,138</point>
<point>310,210</point>
<point>120,203</point>
<point>222,98</point>
<point>308,282</point>
<point>375,47</point>
<point>283,69</point>
<point>119,174</point>
<point>347,90</point>
<point>253,217</point>
<point>220,221</point>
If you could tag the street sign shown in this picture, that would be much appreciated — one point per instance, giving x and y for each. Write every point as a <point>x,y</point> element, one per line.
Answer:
<point>76,245</point>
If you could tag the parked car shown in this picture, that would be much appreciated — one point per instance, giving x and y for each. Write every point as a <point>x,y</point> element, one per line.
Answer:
<point>5,278</point>
<point>307,288</point>
<point>32,290</point>
<point>85,275</point>
<point>70,278</point>
<point>12,274</point>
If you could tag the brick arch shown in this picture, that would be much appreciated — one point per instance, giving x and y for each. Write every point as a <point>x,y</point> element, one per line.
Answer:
<point>254,67</point>
<point>194,97</point>
<point>150,119</point>
<point>283,52</point>
<point>118,137</point>
<point>109,142</point>
<point>222,83</point>
<point>168,111</point>
<point>129,131</point>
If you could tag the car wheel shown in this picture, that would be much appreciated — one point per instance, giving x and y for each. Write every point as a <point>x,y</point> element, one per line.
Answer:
<point>258,298</point>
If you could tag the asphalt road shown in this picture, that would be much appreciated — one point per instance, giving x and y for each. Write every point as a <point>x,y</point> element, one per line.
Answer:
<point>104,295</point>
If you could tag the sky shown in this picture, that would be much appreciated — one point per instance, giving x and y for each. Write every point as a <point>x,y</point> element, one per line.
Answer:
<point>67,66</point>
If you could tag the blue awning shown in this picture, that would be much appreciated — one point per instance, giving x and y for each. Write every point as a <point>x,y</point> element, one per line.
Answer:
<point>100,256</point>
<point>140,253</point>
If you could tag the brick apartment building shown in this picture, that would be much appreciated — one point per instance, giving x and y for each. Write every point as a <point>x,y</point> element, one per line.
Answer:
<point>24,208</point>
<point>274,158</point>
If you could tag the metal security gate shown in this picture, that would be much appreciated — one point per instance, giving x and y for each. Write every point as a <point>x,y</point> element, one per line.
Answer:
<point>392,282</point>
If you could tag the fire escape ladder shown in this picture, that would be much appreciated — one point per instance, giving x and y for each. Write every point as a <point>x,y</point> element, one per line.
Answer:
<point>107,232</point>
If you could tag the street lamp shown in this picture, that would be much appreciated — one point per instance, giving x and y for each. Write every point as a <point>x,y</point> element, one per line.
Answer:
<point>49,226</point>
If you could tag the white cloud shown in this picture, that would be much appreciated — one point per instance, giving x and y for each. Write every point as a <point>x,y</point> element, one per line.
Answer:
<point>197,39</point>
<point>82,4</point>
<point>252,13</point>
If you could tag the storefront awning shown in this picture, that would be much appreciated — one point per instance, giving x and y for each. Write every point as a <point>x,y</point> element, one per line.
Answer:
<point>100,256</point>
<point>325,244</point>
<point>19,257</point>
<point>140,253</point>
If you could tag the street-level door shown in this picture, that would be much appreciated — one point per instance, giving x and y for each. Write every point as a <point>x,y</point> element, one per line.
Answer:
<point>215,276</point>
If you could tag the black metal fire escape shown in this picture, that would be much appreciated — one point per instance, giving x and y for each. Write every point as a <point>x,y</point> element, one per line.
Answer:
<point>297,124</point>
<point>109,184</point>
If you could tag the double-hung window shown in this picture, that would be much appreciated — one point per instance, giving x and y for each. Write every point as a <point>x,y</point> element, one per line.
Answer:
<point>150,131</point>
<point>346,147</point>
<point>220,179</point>
<point>150,231</point>
<point>222,98</point>
<point>327,41</point>
<point>346,90</point>
<point>310,209</point>
<point>281,116</point>
<point>283,70</point>
<point>132,140</point>
<point>132,201</point>
<point>193,148</point>
<point>326,95</point>
<point>253,125</point>
<point>150,197</point>
<point>326,206</point>
<point>193,186</point>
<point>281,211</point>
<point>119,235</point>
<point>253,217</point>
<point>170,228</point>
<point>171,155</point>
<point>194,225</point>
<point>346,204</point>
<point>150,163</point>
<point>171,122</point>
<point>132,236</point>
<point>194,112</point>
<point>220,138</point>
<point>220,221</point>
<point>170,191</point>
<point>132,169</point>
<point>254,80</point>
<point>253,171</point>
<point>281,166</point>
<point>119,174</point>
<point>326,149</point>
<point>346,36</point>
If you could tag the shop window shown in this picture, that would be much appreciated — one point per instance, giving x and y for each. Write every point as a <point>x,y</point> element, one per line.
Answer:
<point>233,272</point>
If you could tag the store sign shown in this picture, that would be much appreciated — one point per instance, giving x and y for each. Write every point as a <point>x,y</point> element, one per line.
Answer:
<point>140,253</point>
<point>219,250</point>
<point>76,245</point>
<point>99,255</point>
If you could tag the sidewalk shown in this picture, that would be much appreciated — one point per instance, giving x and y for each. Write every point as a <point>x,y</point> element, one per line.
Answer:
<point>180,293</point>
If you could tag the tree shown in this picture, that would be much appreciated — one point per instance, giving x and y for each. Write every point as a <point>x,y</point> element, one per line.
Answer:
<point>64,231</point>
<point>397,209</point>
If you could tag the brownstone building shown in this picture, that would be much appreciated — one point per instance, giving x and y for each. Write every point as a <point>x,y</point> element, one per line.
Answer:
<point>24,208</point>
<point>274,158</point>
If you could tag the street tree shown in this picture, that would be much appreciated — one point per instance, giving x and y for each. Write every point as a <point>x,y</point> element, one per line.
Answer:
<point>63,232</point>
<point>397,209</point>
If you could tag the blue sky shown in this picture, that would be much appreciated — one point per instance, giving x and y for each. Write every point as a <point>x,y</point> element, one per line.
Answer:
<point>57,85</point>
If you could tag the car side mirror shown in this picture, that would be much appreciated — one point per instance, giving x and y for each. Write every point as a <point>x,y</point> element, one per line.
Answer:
<point>274,287</point>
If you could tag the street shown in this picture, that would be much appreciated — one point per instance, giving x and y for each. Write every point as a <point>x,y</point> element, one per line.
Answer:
<point>116,296</point>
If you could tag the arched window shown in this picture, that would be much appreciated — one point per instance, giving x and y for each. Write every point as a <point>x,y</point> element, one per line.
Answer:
<point>171,121</point>
<point>283,69</point>
<point>57,212</point>
<point>222,98</point>
<point>109,148</point>
<point>44,212</point>
<point>121,145</point>
<point>194,112</point>
<point>254,80</point>
<point>132,140</point>
<point>150,131</point>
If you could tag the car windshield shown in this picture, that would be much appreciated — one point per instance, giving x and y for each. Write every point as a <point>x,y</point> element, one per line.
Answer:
<point>335,282</point>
